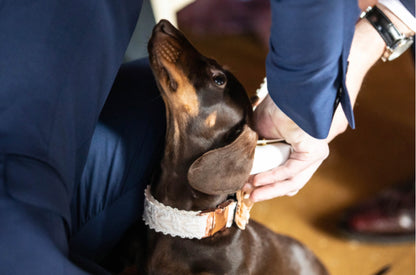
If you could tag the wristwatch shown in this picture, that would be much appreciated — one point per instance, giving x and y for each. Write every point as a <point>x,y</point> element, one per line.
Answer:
<point>396,42</point>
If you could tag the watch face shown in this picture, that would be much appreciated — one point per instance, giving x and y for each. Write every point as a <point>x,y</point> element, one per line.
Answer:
<point>400,48</point>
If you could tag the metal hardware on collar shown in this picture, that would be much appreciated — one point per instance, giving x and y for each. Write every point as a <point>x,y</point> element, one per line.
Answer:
<point>244,205</point>
<point>187,224</point>
<point>262,142</point>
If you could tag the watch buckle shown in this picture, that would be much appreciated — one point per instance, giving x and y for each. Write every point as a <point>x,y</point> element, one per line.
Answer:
<point>386,54</point>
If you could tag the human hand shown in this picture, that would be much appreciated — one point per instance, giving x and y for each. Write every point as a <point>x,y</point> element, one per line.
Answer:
<point>364,4</point>
<point>307,155</point>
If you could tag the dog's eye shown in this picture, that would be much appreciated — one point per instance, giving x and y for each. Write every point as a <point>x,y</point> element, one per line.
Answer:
<point>220,79</point>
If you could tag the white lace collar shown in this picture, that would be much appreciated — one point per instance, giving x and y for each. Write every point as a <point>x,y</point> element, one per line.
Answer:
<point>187,224</point>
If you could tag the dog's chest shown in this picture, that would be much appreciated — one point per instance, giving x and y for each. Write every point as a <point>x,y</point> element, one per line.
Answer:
<point>219,255</point>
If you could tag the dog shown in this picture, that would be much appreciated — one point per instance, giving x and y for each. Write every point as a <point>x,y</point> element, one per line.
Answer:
<point>208,156</point>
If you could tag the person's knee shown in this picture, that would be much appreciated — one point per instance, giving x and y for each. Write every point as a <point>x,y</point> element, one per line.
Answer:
<point>33,240</point>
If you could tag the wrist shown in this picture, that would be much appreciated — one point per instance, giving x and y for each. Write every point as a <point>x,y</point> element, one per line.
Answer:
<point>366,49</point>
<point>397,36</point>
<point>367,46</point>
<point>338,126</point>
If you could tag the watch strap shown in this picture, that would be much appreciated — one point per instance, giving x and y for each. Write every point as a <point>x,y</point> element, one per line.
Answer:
<point>383,25</point>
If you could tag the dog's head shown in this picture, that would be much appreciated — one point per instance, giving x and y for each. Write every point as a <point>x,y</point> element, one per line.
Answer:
<point>209,109</point>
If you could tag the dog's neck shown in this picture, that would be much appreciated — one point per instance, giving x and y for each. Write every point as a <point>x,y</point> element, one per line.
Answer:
<point>172,187</point>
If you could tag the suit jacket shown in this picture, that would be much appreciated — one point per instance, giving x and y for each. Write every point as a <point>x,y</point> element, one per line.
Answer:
<point>307,62</point>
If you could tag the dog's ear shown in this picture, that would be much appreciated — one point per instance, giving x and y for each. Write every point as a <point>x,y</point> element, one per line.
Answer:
<point>224,170</point>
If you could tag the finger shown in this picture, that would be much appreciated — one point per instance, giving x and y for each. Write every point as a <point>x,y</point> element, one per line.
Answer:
<point>291,168</point>
<point>271,191</point>
<point>247,188</point>
<point>283,188</point>
<point>298,161</point>
<point>291,194</point>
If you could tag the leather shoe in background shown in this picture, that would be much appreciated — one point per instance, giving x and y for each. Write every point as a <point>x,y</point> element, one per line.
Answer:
<point>389,216</point>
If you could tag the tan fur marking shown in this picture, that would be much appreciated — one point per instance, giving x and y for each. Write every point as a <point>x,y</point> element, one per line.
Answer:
<point>211,119</point>
<point>185,94</point>
<point>189,99</point>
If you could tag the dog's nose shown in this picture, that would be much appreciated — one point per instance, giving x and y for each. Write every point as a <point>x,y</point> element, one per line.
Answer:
<point>166,27</point>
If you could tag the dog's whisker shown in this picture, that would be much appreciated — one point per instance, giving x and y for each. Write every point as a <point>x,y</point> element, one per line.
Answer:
<point>168,51</point>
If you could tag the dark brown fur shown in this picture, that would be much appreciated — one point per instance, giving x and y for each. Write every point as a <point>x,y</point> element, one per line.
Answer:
<point>208,156</point>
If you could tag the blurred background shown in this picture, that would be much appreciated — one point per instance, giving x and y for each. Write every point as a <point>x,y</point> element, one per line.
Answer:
<point>379,153</point>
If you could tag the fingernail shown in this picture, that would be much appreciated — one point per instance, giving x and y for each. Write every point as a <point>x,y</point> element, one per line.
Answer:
<point>253,197</point>
<point>248,187</point>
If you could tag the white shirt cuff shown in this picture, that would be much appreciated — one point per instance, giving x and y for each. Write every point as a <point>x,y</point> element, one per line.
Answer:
<point>396,7</point>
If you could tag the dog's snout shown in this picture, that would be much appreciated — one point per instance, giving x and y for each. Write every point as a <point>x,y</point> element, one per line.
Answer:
<point>166,27</point>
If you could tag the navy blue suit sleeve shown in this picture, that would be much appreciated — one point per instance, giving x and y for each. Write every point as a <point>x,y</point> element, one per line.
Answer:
<point>410,5</point>
<point>307,61</point>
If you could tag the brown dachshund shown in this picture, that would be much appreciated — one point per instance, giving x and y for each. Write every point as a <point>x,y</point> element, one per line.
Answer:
<point>208,156</point>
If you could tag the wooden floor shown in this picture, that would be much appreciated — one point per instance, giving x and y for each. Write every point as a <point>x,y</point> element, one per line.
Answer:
<point>379,153</point>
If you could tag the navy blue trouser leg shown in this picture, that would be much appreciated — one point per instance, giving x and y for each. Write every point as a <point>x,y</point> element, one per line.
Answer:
<point>33,240</point>
<point>125,149</point>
